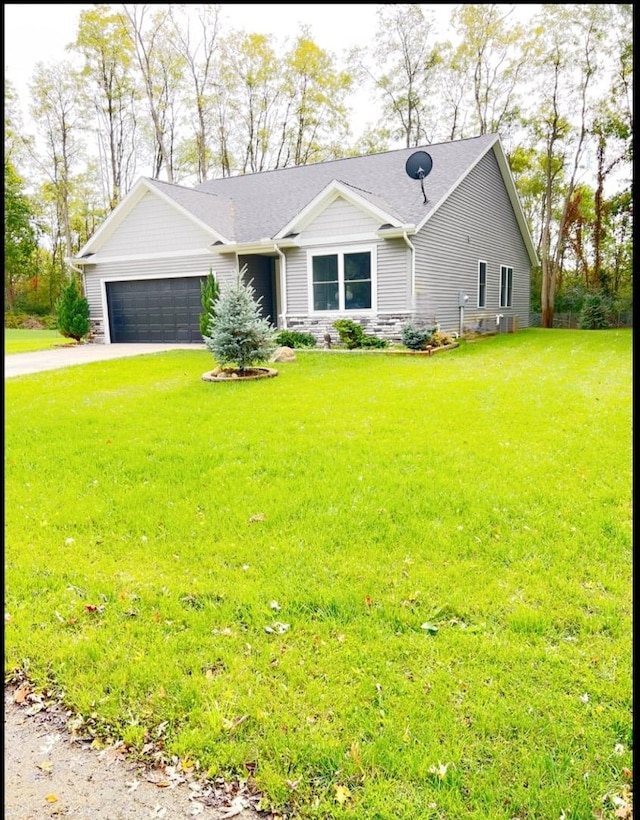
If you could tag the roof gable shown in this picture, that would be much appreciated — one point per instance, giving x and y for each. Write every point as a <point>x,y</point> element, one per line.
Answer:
<point>184,200</point>
<point>333,191</point>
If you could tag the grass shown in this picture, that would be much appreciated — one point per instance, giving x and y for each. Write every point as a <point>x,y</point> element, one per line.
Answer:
<point>17,340</point>
<point>380,586</point>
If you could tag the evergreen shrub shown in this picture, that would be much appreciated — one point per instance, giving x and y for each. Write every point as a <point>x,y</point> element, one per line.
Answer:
<point>295,338</point>
<point>209,293</point>
<point>353,336</point>
<point>72,312</point>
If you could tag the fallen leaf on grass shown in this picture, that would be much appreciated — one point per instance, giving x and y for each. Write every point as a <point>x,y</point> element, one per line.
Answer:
<point>257,517</point>
<point>45,766</point>
<point>232,724</point>
<point>278,628</point>
<point>430,628</point>
<point>440,770</point>
<point>342,794</point>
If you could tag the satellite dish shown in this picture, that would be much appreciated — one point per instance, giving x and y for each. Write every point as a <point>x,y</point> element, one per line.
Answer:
<point>418,166</point>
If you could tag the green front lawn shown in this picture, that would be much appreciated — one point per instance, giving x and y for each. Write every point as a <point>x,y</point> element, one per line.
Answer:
<point>382,586</point>
<point>17,340</point>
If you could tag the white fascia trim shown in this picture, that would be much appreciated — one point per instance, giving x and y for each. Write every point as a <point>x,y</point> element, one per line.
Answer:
<point>397,233</point>
<point>115,218</point>
<point>515,202</point>
<point>338,241</point>
<point>507,177</point>
<point>325,198</point>
<point>117,277</point>
<point>143,257</point>
<point>263,246</point>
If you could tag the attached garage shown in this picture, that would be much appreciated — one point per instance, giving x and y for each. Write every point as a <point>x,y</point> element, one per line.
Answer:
<point>155,310</point>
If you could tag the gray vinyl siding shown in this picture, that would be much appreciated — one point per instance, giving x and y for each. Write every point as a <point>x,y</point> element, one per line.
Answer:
<point>476,223</point>
<point>341,218</point>
<point>297,284</point>
<point>394,276</point>
<point>223,267</point>
<point>153,226</point>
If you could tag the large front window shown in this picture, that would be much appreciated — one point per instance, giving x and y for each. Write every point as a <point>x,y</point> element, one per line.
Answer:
<point>342,281</point>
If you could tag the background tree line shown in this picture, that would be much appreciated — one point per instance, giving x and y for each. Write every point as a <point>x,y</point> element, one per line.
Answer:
<point>165,91</point>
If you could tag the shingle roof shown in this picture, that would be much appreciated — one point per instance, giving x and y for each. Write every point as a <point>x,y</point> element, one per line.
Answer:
<point>209,207</point>
<point>252,207</point>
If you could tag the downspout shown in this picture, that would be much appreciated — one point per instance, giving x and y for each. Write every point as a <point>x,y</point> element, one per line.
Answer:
<point>283,284</point>
<point>80,271</point>
<point>413,270</point>
<point>76,269</point>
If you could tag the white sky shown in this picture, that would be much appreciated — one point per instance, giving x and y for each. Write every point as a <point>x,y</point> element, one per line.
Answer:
<point>35,32</point>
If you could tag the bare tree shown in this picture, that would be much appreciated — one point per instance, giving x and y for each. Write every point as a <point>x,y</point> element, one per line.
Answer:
<point>104,42</point>
<point>493,60</point>
<point>55,95</point>
<point>406,62</point>
<point>161,71</point>
<point>198,52</point>
<point>566,65</point>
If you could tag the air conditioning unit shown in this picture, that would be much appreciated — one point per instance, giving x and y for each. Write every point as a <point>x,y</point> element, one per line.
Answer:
<point>509,324</point>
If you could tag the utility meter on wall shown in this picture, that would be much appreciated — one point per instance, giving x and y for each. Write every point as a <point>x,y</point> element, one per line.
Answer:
<point>462,298</point>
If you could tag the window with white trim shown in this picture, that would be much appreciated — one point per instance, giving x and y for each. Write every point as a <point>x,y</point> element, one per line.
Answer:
<point>506,286</point>
<point>482,284</point>
<point>342,280</point>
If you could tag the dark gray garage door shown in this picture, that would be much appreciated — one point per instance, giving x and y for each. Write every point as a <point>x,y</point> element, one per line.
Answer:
<point>155,310</point>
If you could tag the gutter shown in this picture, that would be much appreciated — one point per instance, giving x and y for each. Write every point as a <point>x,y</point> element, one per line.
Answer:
<point>251,247</point>
<point>80,271</point>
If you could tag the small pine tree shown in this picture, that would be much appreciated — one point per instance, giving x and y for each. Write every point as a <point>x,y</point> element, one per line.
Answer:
<point>595,308</point>
<point>239,336</point>
<point>209,293</point>
<point>72,312</point>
